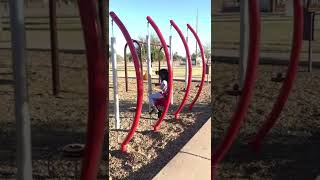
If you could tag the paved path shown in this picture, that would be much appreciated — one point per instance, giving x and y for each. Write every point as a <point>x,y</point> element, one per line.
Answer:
<point>193,162</point>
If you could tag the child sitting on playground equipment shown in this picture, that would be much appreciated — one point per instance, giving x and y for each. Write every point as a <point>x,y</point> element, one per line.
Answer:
<point>157,99</point>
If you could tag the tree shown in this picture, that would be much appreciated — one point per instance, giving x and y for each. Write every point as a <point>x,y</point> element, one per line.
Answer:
<point>176,56</point>
<point>193,56</point>
<point>207,50</point>
<point>155,54</point>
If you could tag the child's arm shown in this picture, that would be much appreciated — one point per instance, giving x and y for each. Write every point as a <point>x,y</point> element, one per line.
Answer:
<point>157,89</point>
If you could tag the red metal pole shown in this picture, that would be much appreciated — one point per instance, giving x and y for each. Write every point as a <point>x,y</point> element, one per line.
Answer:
<point>166,52</point>
<point>203,66</point>
<point>97,88</point>
<point>139,80</point>
<point>289,80</point>
<point>251,74</point>
<point>176,114</point>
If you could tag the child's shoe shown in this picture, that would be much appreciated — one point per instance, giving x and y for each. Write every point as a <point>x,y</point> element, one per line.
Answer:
<point>154,110</point>
<point>159,113</point>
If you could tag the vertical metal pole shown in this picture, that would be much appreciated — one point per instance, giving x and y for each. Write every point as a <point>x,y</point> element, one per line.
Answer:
<point>54,48</point>
<point>1,11</point>
<point>21,92</point>
<point>149,64</point>
<point>244,41</point>
<point>125,67</point>
<point>115,82</point>
<point>171,60</point>
<point>310,45</point>
<point>186,68</point>
<point>197,33</point>
<point>159,65</point>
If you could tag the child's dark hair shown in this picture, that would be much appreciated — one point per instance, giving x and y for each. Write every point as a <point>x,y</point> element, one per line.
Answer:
<point>164,74</point>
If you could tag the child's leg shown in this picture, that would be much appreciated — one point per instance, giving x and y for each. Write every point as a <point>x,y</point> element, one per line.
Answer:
<point>153,97</point>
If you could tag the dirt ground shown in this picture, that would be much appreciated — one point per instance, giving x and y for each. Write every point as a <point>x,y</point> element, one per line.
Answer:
<point>150,151</point>
<point>291,149</point>
<point>58,121</point>
<point>55,121</point>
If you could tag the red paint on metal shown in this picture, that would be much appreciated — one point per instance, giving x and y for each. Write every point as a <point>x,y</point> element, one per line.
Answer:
<point>289,80</point>
<point>203,67</point>
<point>139,80</point>
<point>167,55</point>
<point>176,114</point>
<point>246,95</point>
<point>97,86</point>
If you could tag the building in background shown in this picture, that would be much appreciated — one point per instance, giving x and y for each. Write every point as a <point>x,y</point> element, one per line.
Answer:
<point>268,6</point>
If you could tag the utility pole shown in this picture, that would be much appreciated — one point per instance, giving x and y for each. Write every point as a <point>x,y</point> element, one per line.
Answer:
<point>197,33</point>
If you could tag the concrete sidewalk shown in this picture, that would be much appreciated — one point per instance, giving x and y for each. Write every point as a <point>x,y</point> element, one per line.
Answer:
<point>193,162</point>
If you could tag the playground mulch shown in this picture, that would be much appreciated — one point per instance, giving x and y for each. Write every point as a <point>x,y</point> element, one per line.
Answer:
<point>58,121</point>
<point>291,149</point>
<point>149,151</point>
<point>55,121</point>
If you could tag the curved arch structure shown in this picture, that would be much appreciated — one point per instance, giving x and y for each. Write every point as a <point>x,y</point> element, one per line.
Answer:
<point>125,61</point>
<point>97,88</point>
<point>176,114</point>
<point>289,80</point>
<point>203,66</point>
<point>245,98</point>
<point>139,80</point>
<point>166,51</point>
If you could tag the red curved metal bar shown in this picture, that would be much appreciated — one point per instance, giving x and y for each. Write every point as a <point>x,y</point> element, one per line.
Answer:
<point>245,98</point>
<point>203,67</point>
<point>139,80</point>
<point>289,80</point>
<point>166,52</point>
<point>97,88</point>
<point>176,114</point>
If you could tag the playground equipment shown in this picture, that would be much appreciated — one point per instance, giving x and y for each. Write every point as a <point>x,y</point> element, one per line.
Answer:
<point>203,67</point>
<point>125,61</point>
<point>245,97</point>
<point>176,114</point>
<point>54,48</point>
<point>130,43</point>
<point>97,79</point>
<point>238,115</point>
<point>140,45</point>
<point>115,82</point>
<point>139,80</point>
<point>288,81</point>
<point>167,55</point>
<point>96,59</point>
<point>22,115</point>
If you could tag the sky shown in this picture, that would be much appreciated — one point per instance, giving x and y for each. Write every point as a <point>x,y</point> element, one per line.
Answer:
<point>133,15</point>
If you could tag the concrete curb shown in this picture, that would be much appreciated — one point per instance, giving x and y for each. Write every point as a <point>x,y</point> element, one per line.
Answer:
<point>193,162</point>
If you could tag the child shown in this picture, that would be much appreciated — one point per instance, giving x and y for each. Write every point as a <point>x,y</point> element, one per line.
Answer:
<point>153,97</point>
